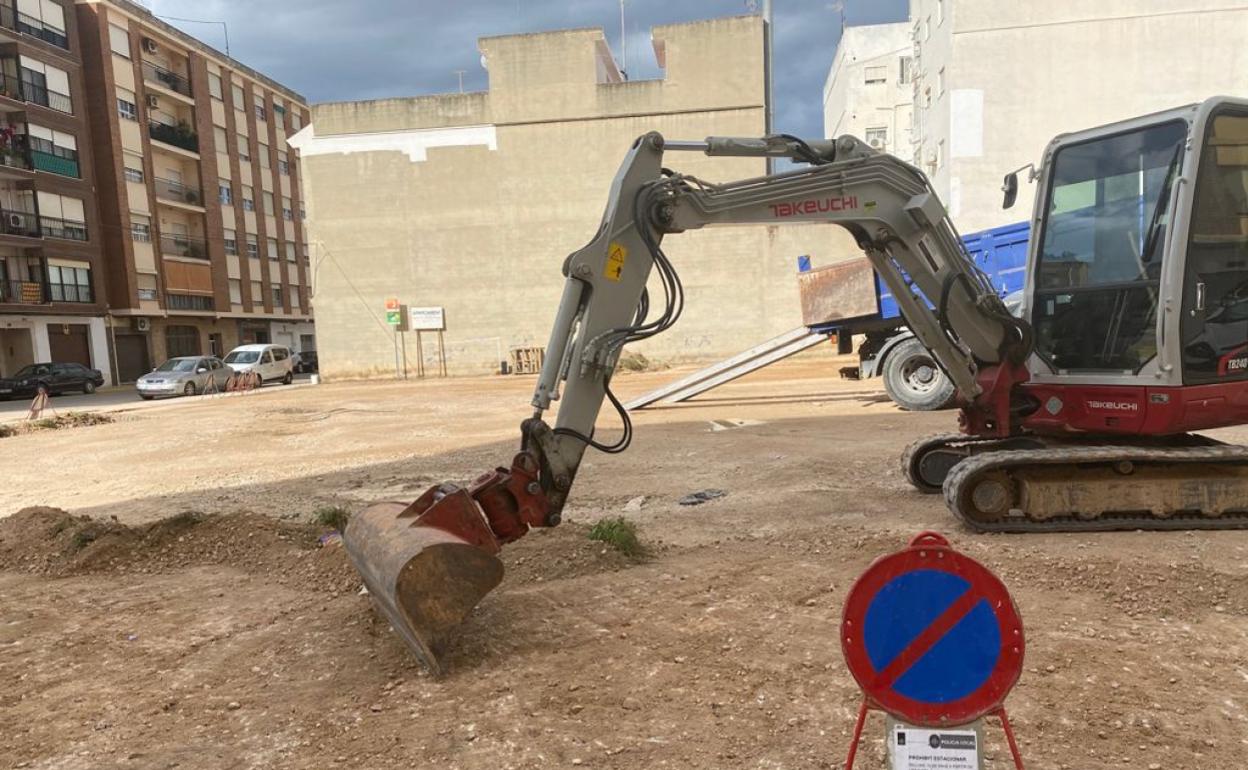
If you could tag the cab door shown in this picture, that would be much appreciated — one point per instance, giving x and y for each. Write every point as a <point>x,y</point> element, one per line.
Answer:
<point>1214,325</point>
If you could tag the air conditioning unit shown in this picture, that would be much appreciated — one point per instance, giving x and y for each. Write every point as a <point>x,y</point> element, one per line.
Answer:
<point>15,221</point>
<point>876,142</point>
<point>142,324</point>
<point>149,45</point>
<point>153,101</point>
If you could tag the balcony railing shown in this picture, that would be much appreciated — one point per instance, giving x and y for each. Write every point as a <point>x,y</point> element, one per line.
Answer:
<point>167,78</point>
<point>58,227</point>
<point>15,156</point>
<point>69,292</point>
<point>188,302</point>
<point>29,25</point>
<point>171,190</point>
<point>46,156</point>
<point>180,135</point>
<point>22,292</point>
<point>23,223</point>
<point>184,246</point>
<point>37,94</point>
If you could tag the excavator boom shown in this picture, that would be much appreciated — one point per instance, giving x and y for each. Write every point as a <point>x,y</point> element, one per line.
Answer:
<point>427,564</point>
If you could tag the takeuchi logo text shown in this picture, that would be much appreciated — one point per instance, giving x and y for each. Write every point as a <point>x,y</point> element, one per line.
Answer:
<point>817,206</point>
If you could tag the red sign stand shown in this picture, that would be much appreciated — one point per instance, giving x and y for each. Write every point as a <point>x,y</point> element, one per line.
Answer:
<point>933,638</point>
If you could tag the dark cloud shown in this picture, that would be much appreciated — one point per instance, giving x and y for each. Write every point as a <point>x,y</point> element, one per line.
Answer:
<point>331,50</point>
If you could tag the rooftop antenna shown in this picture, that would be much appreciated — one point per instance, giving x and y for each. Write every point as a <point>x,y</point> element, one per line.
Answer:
<point>461,79</point>
<point>224,28</point>
<point>623,44</point>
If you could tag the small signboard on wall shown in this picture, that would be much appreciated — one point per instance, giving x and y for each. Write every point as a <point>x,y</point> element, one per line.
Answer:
<point>427,319</point>
<point>392,311</point>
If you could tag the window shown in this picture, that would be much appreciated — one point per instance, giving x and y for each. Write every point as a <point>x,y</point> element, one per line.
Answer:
<point>268,202</point>
<point>279,108</point>
<point>283,165</point>
<point>295,121</point>
<point>263,150</point>
<point>44,84</point>
<point>140,228</point>
<point>905,72</point>
<point>61,216</point>
<point>147,293</point>
<point>303,213</point>
<point>133,174</point>
<point>236,291</point>
<point>225,194</point>
<point>237,92</point>
<point>244,149</point>
<point>253,247</point>
<point>875,74</point>
<point>119,40</point>
<point>249,202</point>
<point>257,293</point>
<point>307,260</point>
<point>125,104</point>
<point>260,111</point>
<point>277,295</point>
<point>287,212</point>
<point>214,85</point>
<point>67,283</point>
<point>877,137</point>
<point>189,302</point>
<point>271,243</point>
<point>220,140</point>
<point>290,251</point>
<point>940,82</point>
<point>231,243</point>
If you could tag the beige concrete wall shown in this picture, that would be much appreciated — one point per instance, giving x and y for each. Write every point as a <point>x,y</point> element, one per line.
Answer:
<point>852,106</point>
<point>473,201</point>
<point>1040,69</point>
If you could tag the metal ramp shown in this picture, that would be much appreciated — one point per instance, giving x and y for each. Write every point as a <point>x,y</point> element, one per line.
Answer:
<point>764,354</point>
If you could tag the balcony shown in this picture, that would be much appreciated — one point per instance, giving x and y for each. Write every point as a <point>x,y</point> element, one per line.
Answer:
<point>46,156</point>
<point>169,79</point>
<point>70,292</point>
<point>183,246</point>
<point>22,223</point>
<point>22,292</point>
<point>57,227</point>
<point>42,95</point>
<point>15,157</point>
<point>181,135</point>
<point>188,301</point>
<point>177,192</point>
<point>28,25</point>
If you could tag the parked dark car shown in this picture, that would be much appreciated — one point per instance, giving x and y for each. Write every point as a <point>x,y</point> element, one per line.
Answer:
<point>307,362</point>
<point>53,378</point>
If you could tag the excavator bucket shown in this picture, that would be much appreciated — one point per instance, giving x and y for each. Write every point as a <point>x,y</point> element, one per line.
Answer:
<point>427,564</point>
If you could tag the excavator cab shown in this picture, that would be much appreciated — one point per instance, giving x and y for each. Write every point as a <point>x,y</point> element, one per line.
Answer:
<point>1138,282</point>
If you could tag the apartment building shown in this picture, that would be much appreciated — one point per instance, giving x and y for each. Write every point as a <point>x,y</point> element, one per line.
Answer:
<point>51,270</point>
<point>994,82</point>
<point>868,93</point>
<point>206,247</point>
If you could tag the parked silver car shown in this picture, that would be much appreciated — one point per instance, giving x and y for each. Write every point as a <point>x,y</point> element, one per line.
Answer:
<point>183,376</point>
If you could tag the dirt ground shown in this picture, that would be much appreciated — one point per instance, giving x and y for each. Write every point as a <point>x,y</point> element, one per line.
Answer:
<point>195,620</point>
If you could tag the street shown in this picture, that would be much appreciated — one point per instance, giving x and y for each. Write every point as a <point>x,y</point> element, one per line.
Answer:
<point>106,399</point>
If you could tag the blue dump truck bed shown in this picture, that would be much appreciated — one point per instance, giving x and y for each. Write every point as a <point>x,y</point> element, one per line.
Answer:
<point>1001,252</point>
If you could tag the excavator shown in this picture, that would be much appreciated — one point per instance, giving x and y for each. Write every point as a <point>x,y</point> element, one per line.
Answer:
<point>1076,413</point>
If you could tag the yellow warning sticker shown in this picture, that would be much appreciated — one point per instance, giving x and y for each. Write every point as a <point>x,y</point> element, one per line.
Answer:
<point>616,256</point>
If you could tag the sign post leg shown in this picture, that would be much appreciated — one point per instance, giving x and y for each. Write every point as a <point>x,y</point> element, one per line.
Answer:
<point>420,356</point>
<point>442,352</point>
<point>853,742</point>
<point>1009,738</point>
<point>403,344</point>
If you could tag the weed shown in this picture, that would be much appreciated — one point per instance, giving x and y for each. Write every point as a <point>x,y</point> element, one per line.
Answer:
<point>619,533</point>
<point>332,516</point>
<point>84,537</point>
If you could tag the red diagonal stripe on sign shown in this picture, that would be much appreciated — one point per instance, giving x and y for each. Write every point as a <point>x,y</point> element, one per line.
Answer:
<point>927,639</point>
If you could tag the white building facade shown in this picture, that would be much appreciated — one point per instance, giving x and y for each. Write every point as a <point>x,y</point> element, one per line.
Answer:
<point>995,81</point>
<point>868,92</point>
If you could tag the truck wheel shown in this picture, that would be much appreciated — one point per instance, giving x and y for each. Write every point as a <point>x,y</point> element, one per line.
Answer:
<point>914,381</point>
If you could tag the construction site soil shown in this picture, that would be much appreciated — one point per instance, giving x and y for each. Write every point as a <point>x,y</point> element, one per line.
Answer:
<point>166,599</point>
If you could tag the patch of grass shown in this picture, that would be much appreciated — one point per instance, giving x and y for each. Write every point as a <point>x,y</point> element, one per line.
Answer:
<point>67,420</point>
<point>332,516</point>
<point>619,533</point>
<point>84,537</point>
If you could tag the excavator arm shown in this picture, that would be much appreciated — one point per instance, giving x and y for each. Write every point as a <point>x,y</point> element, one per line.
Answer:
<point>427,564</point>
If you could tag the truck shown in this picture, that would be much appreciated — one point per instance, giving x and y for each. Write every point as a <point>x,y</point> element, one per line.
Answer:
<point>848,300</point>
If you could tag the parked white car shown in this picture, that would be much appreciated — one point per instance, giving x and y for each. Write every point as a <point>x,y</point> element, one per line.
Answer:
<point>271,362</point>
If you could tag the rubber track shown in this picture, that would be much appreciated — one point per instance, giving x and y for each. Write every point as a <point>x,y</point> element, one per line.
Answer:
<point>932,442</point>
<point>967,470</point>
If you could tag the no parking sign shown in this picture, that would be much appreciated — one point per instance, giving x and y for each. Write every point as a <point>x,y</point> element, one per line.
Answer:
<point>933,639</point>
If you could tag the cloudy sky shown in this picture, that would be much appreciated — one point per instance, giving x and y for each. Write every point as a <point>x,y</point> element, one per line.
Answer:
<point>332,50</point>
